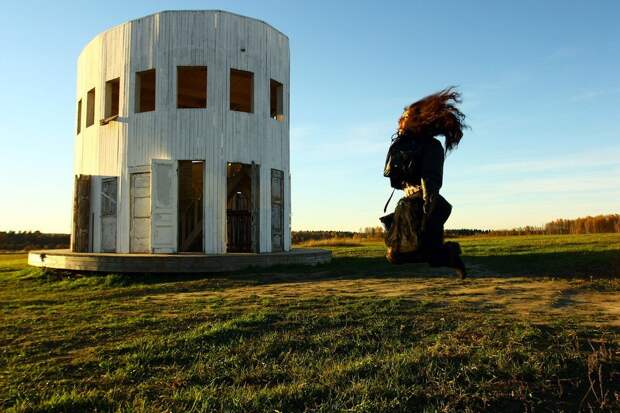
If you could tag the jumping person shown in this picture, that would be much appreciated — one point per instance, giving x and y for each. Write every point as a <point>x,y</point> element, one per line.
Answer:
<point>414,232</point>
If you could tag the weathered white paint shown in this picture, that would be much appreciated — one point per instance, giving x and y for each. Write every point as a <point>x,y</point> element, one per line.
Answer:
<point>140,207</point>
<point>164,206</point>
<point>277,217</point>
<point>216,135</point>
<point>109,199</point>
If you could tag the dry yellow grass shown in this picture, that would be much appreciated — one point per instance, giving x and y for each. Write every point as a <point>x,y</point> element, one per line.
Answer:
<point>332,242</point>
<point>522,297</point>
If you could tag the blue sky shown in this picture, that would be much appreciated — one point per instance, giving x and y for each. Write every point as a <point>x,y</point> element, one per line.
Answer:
<point>540,81</point>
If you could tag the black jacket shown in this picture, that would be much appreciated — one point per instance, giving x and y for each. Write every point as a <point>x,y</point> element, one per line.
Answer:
<point>416,161</point>
<point>431,160</point>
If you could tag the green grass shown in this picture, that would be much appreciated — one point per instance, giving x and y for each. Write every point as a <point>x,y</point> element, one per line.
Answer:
<point>332,242</point>
<point>537,327</point>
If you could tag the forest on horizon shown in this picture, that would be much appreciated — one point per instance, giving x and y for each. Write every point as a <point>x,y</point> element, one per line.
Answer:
<point>587,225</point>
<point>28,240</point>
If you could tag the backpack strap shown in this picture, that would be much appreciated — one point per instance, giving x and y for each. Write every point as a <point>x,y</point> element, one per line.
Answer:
<point>388,201</point>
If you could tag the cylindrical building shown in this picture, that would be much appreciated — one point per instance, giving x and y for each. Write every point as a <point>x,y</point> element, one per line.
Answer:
<point>182,137</point>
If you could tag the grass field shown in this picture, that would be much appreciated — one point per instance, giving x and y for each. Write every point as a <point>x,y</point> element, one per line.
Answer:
<point>535,328</point>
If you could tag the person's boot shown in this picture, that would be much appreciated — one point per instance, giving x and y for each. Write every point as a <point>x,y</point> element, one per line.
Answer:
<point>456,262</point>
<point>459,268</point>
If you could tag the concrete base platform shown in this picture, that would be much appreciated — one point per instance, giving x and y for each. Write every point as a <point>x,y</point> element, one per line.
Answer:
<point>172,263</point>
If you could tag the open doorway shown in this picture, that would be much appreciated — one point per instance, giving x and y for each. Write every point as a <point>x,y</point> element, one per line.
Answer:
<point>80,239</point>
<point>242,202</point>
<point>191,211</point>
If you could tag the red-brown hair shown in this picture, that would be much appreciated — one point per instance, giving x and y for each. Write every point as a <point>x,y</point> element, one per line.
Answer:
<point>436,115</point>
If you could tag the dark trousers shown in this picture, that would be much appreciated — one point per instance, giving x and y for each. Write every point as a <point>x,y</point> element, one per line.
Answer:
<point>433,248</point>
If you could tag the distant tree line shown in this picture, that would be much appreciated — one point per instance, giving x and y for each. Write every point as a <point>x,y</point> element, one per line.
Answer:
<point>527,230</point>
<point>586,225</point>
<point>464,232</point>
<point>29,240</point>
<point>369,233</point>
<point>302,236</point>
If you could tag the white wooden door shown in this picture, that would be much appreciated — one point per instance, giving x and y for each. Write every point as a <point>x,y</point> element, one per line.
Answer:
<point>277,210</point>
<point>109,188</point>
<point>164,206</point>
<point>140,232</point>
<point>255,193</point>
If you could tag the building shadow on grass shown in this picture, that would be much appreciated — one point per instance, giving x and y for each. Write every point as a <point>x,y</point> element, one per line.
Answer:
<point>589,264</point>
<point>585,265</point>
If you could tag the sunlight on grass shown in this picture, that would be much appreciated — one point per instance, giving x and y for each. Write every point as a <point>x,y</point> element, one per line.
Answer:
<point>354,335</point>
<point>331,242</point>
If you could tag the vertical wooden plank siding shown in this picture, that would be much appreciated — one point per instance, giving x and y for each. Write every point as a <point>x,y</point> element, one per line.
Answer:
<point>220,41</point>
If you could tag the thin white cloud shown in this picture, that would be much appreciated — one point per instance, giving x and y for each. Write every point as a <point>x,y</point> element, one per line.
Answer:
<point>587,95</point>
<point>563,53</point>
<point>534,190</point>
<point>603,157</point>
<point>367,138</point>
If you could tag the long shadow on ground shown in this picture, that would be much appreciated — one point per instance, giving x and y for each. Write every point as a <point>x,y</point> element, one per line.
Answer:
<point>588,264</point>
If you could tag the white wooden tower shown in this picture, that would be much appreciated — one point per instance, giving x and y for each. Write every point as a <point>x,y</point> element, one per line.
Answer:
<point>182,137</point>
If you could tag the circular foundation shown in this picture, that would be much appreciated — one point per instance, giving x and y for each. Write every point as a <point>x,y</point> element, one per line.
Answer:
<point>172,263</point>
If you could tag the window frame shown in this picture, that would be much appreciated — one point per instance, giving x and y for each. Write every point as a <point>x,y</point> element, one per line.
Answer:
<point>230,92</point>
<point>196,68</point>
<point>110,86</point>
<point>79,117</point>
<point>90,107</point>
<point>138,98</point>
<point>278,114</point>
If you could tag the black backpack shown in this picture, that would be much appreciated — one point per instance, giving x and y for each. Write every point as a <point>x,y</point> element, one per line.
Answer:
<point>401,162</point>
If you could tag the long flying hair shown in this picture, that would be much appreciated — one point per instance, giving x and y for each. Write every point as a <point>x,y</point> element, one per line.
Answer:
<point>435,115</point>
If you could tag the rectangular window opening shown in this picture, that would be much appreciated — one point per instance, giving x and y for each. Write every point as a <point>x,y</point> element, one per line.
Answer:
<point>90,107</point>
<point>145,91</point>
<point>191,87</point>
<point>112,97</point>
<point>241,91</point>
<point>79,117</point>
<point>276,93</point>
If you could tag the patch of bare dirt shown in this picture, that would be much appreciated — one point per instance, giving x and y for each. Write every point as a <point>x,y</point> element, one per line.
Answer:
<point>545,299</point>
